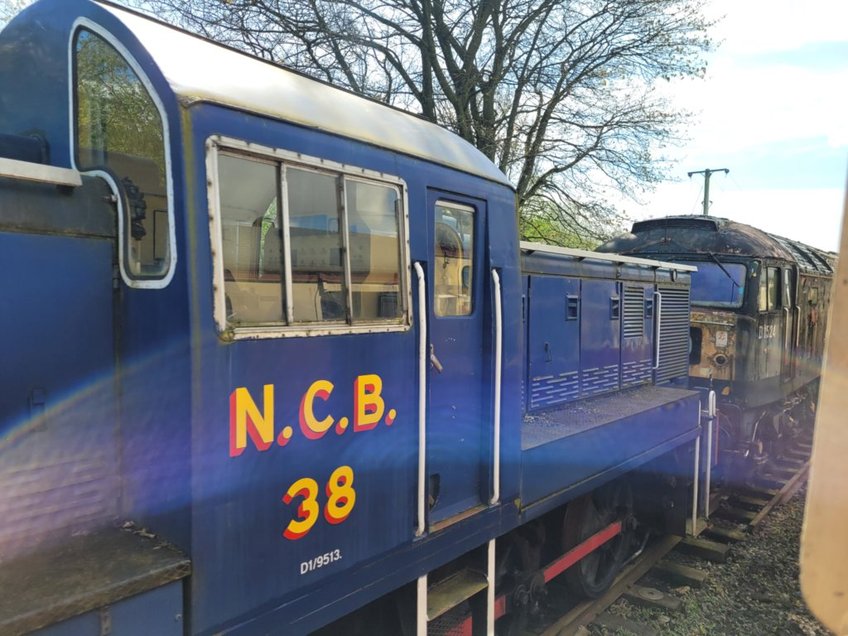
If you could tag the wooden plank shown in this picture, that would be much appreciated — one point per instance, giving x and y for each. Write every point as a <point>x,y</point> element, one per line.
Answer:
<point>767,481</point>
<point>785,493</point>
<point>735,514</point>
<point>652,597</point>
<point>679,574</point>
<point>796,455</point>
<point>748,500</point>
<point>754,491</point>
<point>790,463</point>
<point>720,533</point>
<point>782,473</point>
<point>586,611</point>
<point>704,549</point>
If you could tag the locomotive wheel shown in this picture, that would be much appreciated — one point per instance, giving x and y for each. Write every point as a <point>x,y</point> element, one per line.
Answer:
<point>593,574</point>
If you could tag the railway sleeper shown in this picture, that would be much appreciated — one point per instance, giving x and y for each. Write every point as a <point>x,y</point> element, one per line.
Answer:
<point>720,533</point>
<point>679,574</point>
<point>749,502</point>
<point>704,549</point>
<point>735,514</point>
<point>617,624</point>
<point>651,597</point>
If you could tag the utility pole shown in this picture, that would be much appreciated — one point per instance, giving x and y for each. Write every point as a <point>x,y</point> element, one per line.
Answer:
<point>707,174</point>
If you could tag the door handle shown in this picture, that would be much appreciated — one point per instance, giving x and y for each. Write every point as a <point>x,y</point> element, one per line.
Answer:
<point>434,360</point>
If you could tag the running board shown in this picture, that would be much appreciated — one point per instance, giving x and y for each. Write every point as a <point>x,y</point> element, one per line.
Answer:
<point>39,172</point>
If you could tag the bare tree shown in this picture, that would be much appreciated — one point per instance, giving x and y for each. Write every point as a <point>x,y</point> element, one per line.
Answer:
<point>560,94</point>
<point>10,8</point>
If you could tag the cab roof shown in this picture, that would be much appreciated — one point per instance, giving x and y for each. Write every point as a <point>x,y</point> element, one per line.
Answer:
<point>675,236</point>
<point>199,70</point>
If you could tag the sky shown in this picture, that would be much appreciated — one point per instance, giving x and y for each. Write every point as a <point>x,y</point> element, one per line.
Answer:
<point>772,110</point>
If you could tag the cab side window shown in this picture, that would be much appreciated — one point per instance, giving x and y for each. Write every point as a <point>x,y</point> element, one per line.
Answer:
<point>308,246</point>
<point>770,286</point>
<point>118,127</point>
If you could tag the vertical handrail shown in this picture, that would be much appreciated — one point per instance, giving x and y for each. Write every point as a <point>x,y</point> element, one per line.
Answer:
<point>421,605</point>
<point>787,342</point>
<point>711,415</point>
<point>496,451</point>
<point>490,589</point>
<point>658,314</point>
<point>422,394</point>
<point>696,480</point>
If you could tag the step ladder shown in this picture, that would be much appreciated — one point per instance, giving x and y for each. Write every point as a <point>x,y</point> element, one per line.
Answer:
<point>466,584</point>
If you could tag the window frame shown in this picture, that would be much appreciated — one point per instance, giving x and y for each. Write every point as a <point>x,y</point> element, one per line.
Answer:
<point>774,272</point>
<point>146,282</point>
<point>475,213</point>
<point>219,144</point>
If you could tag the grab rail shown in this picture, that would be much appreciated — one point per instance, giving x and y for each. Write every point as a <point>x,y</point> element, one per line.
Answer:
<point>422,394</point>
<point>658,297</point>
<point>498,318</point>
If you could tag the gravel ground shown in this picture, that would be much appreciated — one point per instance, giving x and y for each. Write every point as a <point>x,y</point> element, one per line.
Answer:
<point>756,592</point>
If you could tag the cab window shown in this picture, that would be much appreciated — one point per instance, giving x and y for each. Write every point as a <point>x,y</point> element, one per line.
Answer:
<point>121,129</point>
<point>310,247</point>
<point>453,259</point>
<point>770,285</point>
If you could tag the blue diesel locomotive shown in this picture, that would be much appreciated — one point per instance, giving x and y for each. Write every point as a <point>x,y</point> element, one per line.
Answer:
<point>274,360</point>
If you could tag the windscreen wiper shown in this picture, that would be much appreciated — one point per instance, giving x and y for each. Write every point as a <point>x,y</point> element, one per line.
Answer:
<point>724,269</point>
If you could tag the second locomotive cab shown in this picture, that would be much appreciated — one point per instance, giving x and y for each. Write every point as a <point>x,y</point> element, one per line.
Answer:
<point>759,306</point>
<point>275,362</point>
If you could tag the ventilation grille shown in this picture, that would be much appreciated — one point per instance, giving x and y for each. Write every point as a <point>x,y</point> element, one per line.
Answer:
<point>633,323</point>
<point>636,372</point>
<point>599,380</point>
<point>674,333</point>
<point>551,390</point>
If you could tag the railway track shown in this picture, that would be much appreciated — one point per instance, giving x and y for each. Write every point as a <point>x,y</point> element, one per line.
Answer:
<point>735,514</point>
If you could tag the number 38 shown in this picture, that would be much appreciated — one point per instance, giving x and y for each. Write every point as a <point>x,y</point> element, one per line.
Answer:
<point>341,498</point>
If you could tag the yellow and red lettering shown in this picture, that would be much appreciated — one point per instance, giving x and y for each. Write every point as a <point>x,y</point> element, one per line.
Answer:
<point>307,511</point>
<point>311,426</point>
<point>368,405</point>
<point>341,497</point>
<point>246,420</point>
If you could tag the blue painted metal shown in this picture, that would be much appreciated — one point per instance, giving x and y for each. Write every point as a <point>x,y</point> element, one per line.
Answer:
<point>158,611</point>
<point>240,497</point>
<point>600,337</point>
<point>554,463</point>
<point>176,376</point>
<point>553,344</point>
<point>58,407</point>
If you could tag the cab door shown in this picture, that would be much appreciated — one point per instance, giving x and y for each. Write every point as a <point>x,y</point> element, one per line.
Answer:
<point>458,377</point>
<point>789,320</point>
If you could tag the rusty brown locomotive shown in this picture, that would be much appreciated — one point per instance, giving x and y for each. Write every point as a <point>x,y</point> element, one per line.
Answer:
<point>759,311</point>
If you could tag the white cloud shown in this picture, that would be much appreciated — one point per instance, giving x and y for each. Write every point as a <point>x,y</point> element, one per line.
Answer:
<point>750,102</point>
<point>762,26</point>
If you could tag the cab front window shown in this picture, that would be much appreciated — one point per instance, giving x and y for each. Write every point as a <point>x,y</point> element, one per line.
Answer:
<point>717,284</point>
